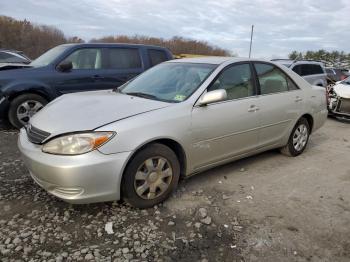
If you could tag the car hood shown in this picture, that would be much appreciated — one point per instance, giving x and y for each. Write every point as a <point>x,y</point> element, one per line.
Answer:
<point>90,110</point>
<point>8,66</point>
<point>342,90</point>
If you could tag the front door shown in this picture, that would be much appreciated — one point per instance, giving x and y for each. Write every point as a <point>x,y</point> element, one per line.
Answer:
<point>226,129</point>
<point>85,75</point>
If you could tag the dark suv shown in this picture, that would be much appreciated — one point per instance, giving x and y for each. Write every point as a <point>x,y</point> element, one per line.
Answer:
<point>72,68</point>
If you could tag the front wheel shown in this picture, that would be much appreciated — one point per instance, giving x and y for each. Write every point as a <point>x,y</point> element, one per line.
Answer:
<point>151,176</point>
<point>298,139</point>
<point>23,107</point>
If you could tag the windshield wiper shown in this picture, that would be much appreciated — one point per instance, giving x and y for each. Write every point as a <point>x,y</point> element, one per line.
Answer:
<point>143,95</point>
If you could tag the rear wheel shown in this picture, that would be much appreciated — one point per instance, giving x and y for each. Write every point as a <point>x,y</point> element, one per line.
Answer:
<point>151,176</point>
<point>298,139</point>
<point>23,107</point>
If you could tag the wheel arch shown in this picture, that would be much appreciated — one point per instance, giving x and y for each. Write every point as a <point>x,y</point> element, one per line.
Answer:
<point>309,119</point>
<point>36,91</point>
<point>174,145</point>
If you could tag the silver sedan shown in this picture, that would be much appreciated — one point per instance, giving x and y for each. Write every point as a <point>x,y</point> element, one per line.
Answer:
<point>175,120</point>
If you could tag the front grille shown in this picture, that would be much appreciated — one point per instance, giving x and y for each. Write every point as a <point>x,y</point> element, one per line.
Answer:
<point>344,106</point>
<point>36,135</point>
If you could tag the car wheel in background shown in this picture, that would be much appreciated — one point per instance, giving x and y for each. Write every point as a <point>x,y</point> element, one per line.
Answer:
<point>298,139</point>
<point>23,107</point>
<point>151,176</point>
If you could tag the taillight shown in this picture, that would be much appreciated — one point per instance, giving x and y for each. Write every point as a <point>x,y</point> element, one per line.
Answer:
<point>342,77</point>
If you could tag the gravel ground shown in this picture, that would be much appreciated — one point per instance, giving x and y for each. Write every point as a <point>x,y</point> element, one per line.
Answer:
<point>264,208</point>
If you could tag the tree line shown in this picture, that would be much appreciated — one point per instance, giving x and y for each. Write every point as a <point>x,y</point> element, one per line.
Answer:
<point>32,39</point>
<point>334,58</point>
<point>35,39</point>
<point>177,45</point>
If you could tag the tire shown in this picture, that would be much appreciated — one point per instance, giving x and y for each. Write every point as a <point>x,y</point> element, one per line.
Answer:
<point>26,105</point>
<point>145,173</point>
<point>295,149</point>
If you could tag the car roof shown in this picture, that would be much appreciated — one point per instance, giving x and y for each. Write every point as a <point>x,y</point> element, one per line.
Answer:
<point>215,60</point>
<point>112,45</point>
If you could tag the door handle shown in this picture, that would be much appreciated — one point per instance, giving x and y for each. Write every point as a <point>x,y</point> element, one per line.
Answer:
<point>298,99</point>
<point>253,108</point>
<point>97,77</point>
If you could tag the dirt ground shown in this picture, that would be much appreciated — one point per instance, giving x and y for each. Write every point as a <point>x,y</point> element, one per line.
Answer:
<point>264,208</point>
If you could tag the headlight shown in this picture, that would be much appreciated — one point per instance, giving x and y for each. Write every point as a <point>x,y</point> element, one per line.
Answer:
<point>76,144</point>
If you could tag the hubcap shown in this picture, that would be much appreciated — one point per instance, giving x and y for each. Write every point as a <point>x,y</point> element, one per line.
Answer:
<point>27,109</point>
<point>300,137</point>
<point>153,178</point>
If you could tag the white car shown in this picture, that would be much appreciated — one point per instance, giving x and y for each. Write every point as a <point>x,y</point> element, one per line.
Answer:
<point>338,98</point>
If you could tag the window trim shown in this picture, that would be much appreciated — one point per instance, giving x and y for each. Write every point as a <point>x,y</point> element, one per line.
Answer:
<point>284,73</point>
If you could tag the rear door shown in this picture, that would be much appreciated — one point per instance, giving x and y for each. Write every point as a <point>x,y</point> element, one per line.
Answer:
<point>120,64</point>
<point>156,56</point>
<point>281,102</point>
<point>229,128</point>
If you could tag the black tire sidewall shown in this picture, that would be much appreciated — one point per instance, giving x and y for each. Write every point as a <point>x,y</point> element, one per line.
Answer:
<point>12,113</point>
<point>127,187</point>
<point>291,148</point>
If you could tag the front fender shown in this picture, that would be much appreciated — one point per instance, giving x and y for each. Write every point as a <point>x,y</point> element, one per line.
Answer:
<point>21,86</point>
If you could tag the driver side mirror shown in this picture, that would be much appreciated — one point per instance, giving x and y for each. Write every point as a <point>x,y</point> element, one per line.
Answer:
<point>212,97</point>
<point>65,66</point>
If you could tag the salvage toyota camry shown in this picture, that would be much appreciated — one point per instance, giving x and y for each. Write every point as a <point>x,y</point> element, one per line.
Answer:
<point>176,119</point>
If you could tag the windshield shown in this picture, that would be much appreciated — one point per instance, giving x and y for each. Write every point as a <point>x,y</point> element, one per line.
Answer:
<point>49,56</point>
<point>170,82</point>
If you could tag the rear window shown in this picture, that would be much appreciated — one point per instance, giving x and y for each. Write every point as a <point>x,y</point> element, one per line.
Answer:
<point>157,56</point>
<point>308,69</point>
<point>123,58</point>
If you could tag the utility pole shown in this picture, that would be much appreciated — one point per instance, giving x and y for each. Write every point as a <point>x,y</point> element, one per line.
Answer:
<point>251,41</point>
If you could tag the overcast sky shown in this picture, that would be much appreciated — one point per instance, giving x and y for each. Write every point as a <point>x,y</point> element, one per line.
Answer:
<point>280,25</point>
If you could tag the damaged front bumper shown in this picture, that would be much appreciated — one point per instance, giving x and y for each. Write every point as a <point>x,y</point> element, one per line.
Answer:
<point>339,106</point>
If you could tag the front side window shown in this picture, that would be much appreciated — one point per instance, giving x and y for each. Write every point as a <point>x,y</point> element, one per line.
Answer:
<point>124,58</point>
<point>236,80</point>
<point>86,58</point>
<point>170,82</point>
<point>272,80</point>
<point>156,56</point>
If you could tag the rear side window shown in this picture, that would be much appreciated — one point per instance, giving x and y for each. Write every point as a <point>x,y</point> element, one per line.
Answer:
<point>156,56</point>
<point>308,69</point>
<point>123,58</point>
<point>272,79</point>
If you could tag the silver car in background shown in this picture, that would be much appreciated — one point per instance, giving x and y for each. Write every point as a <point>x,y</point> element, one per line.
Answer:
<point>175,120</point>
<point>313,72</point>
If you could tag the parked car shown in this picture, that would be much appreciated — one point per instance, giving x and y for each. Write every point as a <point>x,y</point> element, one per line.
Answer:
<point>175,120</point>
<point>312,71</point>
<point>72,68</point>
<point>336,74</point>
<point>13,56</point>
<point>338,97</point>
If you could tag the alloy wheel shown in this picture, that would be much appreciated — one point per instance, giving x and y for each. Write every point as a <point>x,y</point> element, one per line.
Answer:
<point>27,109</point>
